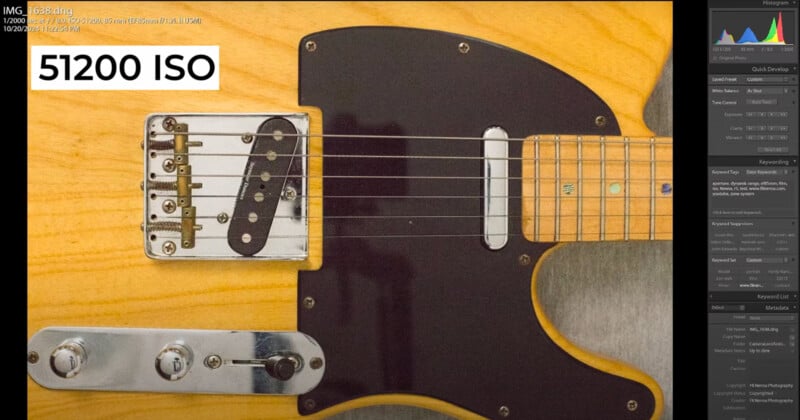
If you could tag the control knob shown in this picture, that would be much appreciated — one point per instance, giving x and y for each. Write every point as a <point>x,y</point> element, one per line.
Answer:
<point>280,367</point>
<point>68,358</point>
<point>174,361</point>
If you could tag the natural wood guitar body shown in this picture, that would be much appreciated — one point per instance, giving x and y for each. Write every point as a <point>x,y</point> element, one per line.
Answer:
<point>86,265</point>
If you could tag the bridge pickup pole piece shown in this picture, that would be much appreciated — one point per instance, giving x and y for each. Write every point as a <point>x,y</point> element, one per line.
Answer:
<point>495,188</point>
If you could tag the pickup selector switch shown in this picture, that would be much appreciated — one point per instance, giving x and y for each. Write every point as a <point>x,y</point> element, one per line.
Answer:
<point>174,361</point>
<point>68,358</point>
<point>280,367</point>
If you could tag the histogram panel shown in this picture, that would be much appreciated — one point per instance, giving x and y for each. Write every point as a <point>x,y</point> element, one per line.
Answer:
<point>753,27</point>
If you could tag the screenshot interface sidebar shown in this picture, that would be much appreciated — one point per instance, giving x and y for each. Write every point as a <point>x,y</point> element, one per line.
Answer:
<point>752,278</point>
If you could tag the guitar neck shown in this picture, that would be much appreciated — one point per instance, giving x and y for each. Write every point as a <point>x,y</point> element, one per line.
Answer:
<point>592,188</point>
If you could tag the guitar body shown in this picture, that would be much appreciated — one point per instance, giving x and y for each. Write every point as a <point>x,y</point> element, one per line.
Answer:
<point>394,316</point>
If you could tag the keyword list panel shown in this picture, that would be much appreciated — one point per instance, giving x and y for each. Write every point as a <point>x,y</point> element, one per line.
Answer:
<point>753,210</point>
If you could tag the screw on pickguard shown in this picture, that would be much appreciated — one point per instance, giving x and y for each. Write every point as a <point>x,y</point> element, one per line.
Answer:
<point>265,175</point>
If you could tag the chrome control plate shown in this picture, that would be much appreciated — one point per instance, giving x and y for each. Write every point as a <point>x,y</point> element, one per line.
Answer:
<point>199,361</point>
<point>195,170</point>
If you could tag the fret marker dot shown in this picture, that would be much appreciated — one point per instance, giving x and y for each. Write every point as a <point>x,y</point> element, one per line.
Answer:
<point>614,188</point>
<point>252,217</point>
<point>246,238</point>
<point>666,189</point>
<point>259,197</point>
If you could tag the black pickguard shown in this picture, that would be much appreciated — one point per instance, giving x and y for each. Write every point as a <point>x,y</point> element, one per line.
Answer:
<point>443,316</point>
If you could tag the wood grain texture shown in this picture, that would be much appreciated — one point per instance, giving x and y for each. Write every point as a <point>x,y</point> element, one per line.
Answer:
<point>86,266</point>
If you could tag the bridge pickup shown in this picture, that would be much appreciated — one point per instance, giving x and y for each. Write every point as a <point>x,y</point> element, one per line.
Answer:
<point>226,186</point>
<point>266,173</point>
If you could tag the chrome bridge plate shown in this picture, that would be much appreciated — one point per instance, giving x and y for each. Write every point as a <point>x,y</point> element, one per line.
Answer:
<point>199,169</point>
<point>175,361</point>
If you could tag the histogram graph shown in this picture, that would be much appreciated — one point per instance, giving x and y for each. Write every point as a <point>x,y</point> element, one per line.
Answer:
<point>753,27</point>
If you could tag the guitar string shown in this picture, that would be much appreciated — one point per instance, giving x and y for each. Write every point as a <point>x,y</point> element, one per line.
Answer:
<point>404,236</point>
<point>604,161</point>
<point>532,159</point>
<point>414,197</point>
<point>580,138</point>
<point>583,141</point>
<point>154,176</point>
<point>432,216</point>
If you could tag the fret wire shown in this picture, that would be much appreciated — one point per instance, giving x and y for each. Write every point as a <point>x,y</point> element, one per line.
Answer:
<point>557,184</point>
<point>652,188</point>
<point>579,219</point>
<point>536,192</point>
<point>626,222</point>
<point>602,188</point>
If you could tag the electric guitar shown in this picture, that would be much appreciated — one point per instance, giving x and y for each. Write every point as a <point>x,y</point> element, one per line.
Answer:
<point>356,217</point>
